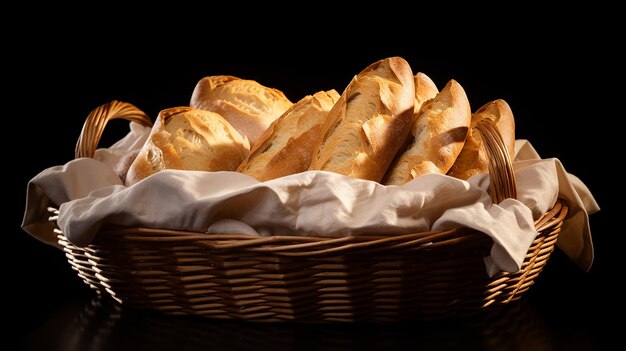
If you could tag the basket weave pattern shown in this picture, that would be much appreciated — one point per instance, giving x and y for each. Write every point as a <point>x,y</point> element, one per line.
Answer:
<point>418,276</point>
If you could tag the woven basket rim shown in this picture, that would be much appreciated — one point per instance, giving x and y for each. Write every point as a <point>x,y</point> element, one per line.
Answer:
<point>303,244</point>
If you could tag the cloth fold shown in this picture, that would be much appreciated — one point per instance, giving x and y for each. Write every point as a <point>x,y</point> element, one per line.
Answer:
<point>91,195</point>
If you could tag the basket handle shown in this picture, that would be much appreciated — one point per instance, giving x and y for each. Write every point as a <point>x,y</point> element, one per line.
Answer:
<point>501,173</point>
<point>97,121</point>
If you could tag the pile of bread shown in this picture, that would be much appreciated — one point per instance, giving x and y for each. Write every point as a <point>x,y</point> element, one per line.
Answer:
<point>388,126</point>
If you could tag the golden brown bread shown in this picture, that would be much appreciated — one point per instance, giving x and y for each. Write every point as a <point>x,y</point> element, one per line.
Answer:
<point>189,139</point>
<point>425,89</point>
<point>247,105</point>
<point>369,123</point>
<point>436,138</point>
<point>473,159</point>
<point>286,146</point>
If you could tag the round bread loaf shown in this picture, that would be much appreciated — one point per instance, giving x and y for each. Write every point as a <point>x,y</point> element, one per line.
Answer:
<point>286,146</point>
<point>189,139</point>
<point>473,158</point>
<point>247,105</point>
<point>369,123</point>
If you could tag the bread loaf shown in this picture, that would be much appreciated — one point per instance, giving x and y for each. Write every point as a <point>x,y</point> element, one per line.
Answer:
<point>286,146</point>
<point>189,139</point>
<point>425,89</point>
<point>369,123</point>
<point>473,158</point>
<point>436,138</point>
<point>247,105</point>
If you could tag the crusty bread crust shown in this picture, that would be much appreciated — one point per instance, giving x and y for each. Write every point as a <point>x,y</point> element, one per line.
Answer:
<point>425,89</point>
<point>189,139</point>
<point>247,105</point>
<point>436,138</point>
<point>473,158</point>
<point>286,146</point>
<point>369,123</point>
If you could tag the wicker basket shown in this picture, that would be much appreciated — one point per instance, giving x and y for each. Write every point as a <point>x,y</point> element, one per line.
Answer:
<point>418,276</point>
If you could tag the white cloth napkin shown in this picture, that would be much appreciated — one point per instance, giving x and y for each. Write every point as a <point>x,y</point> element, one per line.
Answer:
<point>90,195</point>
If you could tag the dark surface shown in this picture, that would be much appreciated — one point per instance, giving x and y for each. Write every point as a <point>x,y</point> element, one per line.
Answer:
<point>558,100</point>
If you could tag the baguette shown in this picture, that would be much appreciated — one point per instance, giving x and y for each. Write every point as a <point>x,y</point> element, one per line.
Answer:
<point>436,138</point>
<point>247,105</point>
<point>286,146</point>
<point>473,158</point>
<point>425,89</point>
<point>369,123</point>
<point>188,139</point>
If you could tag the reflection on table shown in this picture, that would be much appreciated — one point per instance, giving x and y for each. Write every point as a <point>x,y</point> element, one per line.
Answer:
<point>102,324</point>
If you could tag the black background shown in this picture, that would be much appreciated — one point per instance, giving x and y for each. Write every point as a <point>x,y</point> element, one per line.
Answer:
<point>557,82</point>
